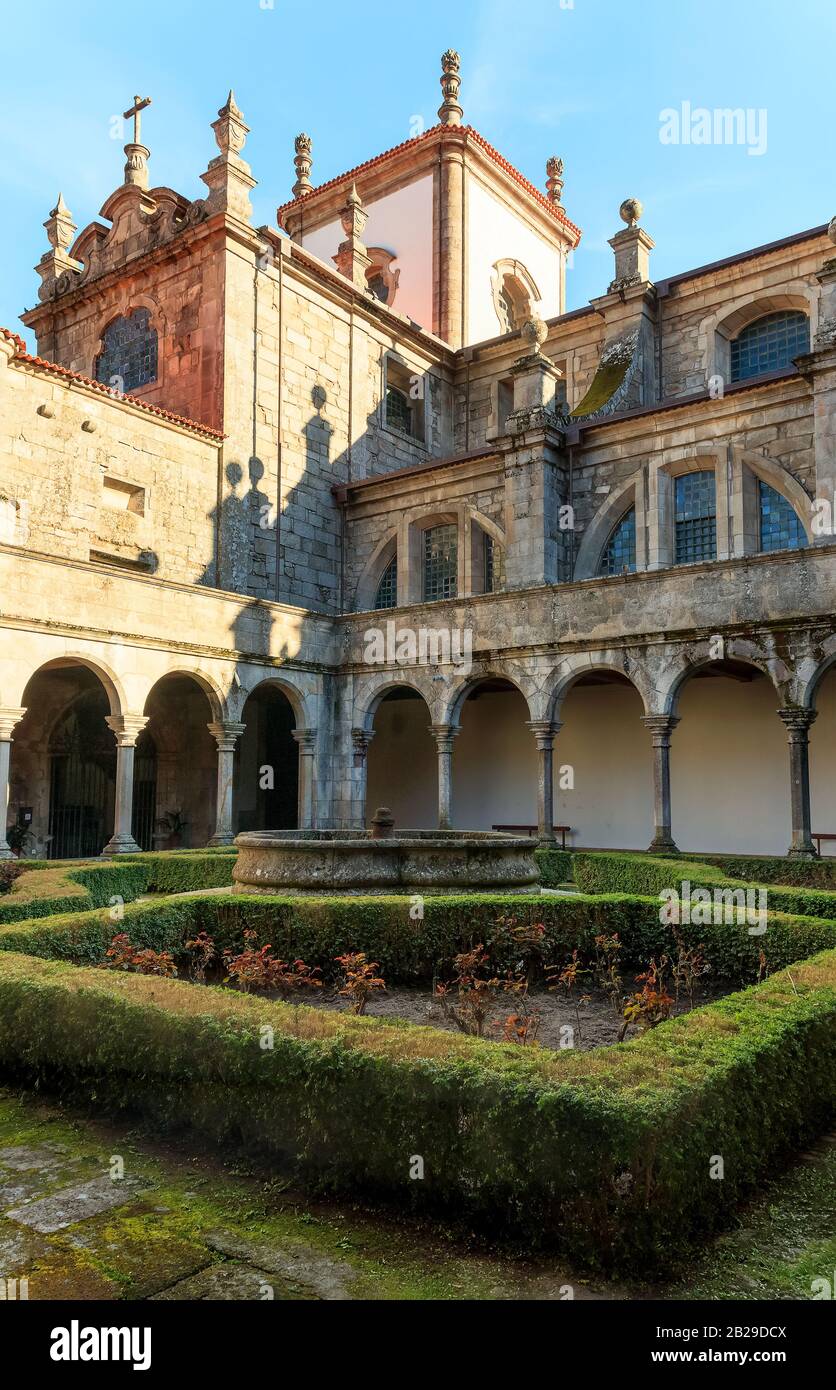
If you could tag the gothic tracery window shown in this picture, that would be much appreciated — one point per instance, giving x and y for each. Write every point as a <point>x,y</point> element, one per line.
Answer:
<point>128,359</point>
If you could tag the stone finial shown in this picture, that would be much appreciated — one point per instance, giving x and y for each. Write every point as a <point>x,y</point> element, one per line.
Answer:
<point>303,161</point>
<point>230,129</point>
<point>554,181</point>
<point>60,227</point>
<point>450,112</point>
<point>534,333</point>
<point>352,259</point>
<point>630,211</point>
<point>229,177</point>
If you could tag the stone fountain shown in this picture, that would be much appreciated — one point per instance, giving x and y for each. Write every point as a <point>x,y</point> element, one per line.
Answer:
<point>384,860</point>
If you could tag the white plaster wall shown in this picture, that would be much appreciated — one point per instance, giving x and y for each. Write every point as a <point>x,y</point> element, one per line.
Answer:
<point>823,762</point>
<point>494,764</point>
<point>730,769</point>
<point>609,751</point>
<point>494,232</point>
<point>402,765</point>
<point>400,222</point>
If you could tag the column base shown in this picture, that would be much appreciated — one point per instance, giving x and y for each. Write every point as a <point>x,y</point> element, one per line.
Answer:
<point>6,853</point>
<point>121,844</point>
<point>662,842</point>
<point>799,852</point>
<point>220,839</point>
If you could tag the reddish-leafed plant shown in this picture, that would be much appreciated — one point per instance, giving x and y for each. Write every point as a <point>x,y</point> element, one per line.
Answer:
<point>651,1005</point>
<point>359,981</point>
<point>121,955</point>
<point>203,953</point>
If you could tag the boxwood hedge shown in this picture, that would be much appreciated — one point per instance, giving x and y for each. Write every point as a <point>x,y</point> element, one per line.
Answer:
<point>66,887</point>
<point>607,1154</point>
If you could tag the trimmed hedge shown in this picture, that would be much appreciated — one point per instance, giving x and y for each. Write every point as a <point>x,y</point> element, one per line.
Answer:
<point>796,873</point>
<point>555,866</point>
<point>189,871</point>
<point>59,889</point>
<point>601,872</point>
<point>606,1153</point>
<point>409,950</point>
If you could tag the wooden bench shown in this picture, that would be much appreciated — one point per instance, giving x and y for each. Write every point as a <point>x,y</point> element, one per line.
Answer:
<point>561,830</point>
<point>818,839</point>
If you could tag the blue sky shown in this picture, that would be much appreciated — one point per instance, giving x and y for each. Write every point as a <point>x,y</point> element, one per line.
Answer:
<point>587,80</point>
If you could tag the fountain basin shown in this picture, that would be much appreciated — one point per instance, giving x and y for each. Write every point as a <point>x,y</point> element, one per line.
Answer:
<point>408,861</point>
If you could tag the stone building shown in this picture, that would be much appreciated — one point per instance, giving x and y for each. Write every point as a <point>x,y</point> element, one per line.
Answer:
<point>298,520</point>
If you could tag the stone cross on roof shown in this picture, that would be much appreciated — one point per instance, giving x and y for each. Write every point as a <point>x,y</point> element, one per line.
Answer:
<point>139,105</point>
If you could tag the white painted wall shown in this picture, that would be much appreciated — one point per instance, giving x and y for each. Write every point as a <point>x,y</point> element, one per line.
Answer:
<point>823,762</point>
<point>494,232</point>
<point>729,767</point>
<point>400,222</point>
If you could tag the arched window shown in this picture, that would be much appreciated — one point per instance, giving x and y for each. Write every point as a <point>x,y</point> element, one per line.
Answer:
<point>619,555</point>
<point>780,528</point>
<point>128,358</point>
<point>769,343</point>
<point>440,562</point>
<point>494,566</point>
<point>695,518</point>
<point>387,589</point>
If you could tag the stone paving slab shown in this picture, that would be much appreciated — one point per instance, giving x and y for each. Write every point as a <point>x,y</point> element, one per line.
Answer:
<point>330,1279</point>
<point>72,1204</point>
<point>231,1281</point>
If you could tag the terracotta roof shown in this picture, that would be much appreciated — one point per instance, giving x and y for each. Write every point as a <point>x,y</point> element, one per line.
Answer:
<point>554,209</point>
<point>23,355</point>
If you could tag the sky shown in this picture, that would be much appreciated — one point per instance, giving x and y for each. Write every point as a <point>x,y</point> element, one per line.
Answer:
<point>613,86</point>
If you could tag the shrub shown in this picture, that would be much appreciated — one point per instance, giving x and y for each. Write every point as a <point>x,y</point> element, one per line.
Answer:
<point>606,1153</point>
<point>46,892</point>
<point>555,866</point>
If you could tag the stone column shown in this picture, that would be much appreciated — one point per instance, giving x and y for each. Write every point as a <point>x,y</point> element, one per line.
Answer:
<point>798,723</point>
<point>544,731</point>
<point>444,735</point>
<point>126,729</point>
<point>226,734</point>
<point>661,727</point>
<point>360,738</point>
<point>306,739</point>
<point>9,717</point>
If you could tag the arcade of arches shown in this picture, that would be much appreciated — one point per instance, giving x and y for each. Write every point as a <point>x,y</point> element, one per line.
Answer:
<point>713,774</point>
<point>729,765</point>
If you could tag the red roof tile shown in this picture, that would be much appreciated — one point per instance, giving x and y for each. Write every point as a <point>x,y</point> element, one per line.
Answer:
<point>554,209</point>
<point>22,355</point>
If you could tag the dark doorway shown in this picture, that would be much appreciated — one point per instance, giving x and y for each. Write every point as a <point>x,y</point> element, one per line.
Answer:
<point>267,766</point>
<point>82,778</point>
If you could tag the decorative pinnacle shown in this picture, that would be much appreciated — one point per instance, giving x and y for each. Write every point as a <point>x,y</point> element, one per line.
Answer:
<point>353,215</point>
<point>450,112</point>
<point>303,161</point>
<point>230,129</point>
<point>630,211</point>
<point>136,162</point>
<point>60,228</point>
<point>554,182</point>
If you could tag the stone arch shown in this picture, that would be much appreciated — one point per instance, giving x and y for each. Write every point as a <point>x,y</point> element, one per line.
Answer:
<point>400,754</point>
<point>372,573</point>
<point>208,684</point>
<point>581,664</point>
<point>719,328</point>
<point>180,706</point>
<point>367,702</point>
<point>128,304</point>
<point>808,698</point>
<point>297,700</point>
<point>465,687</point>
<point>780,478</point>
<point>112,684</point>
<point>736,651</point>
<point>602,526</point>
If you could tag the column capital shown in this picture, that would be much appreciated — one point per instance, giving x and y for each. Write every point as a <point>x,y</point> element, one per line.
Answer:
<point>361,738</point>
<point>444,735</point>
<point>226,733</point>
<point>10,715</point>
<point>306,738</point>
<point>798,720</point>
<point>661,726</point>
<point>544,731</point>
<point>126,728</point>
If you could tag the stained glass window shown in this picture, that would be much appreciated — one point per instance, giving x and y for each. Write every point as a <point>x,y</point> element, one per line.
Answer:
<point>780,528</point>
<point>440,562</point>
<point>619,555</point>
<point>128,358</point>
<point>695,514</point>
<point>769,343</point>
<point>387,589</point>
